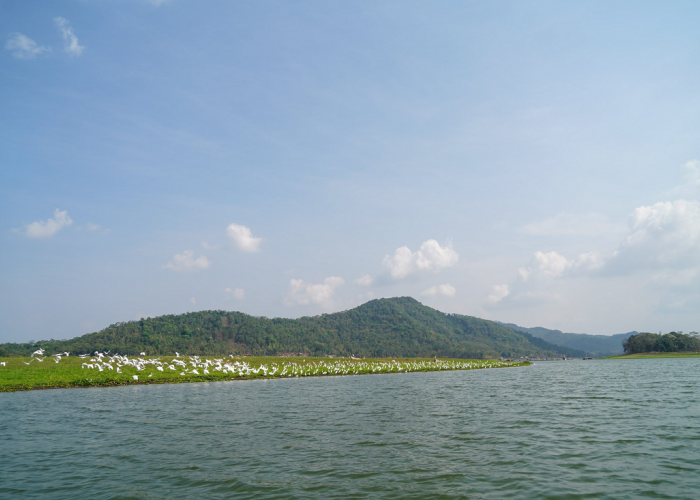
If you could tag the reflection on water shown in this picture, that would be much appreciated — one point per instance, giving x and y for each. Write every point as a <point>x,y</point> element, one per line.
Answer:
<point>575,429</point>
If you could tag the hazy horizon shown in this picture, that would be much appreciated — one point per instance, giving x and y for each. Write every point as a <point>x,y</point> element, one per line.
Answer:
<point>535,163</point>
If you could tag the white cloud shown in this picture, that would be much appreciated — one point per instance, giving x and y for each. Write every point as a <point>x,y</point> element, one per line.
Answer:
<point>186,262</point>
<point>193,300</point>
<point>23,47</point>
<point>534,282</point>
<point>665,235</point>
<point>93,227</point>
<point>445,290</point>
<point>554,265</point>
<point>303,293</point>
<point>208,246</point>
<point>430,257</point>
<point>237,293</point>
<point>71,44</point>
<point>499,293</point>
<point>243,238</point>
<point>46,229</point>
<point>365,280</point>
<point>566,224</point>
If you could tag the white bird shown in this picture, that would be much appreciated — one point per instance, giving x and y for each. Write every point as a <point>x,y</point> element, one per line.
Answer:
<point>2,363</point>
<point>142,354</point>
<point>135,377</point>
<point>40,359</point>
<point>177,354</point>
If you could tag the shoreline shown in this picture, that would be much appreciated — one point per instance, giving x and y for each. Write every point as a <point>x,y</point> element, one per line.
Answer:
<point>654,355</point>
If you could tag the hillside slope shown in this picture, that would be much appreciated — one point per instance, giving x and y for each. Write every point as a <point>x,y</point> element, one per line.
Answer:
<point>401,327</point>
<point>593,345</point>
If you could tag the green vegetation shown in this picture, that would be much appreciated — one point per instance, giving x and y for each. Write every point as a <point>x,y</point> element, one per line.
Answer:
<point>650,355</point>
<point>656,342</point>
<point>380,328</point>
<point>592,345</point>
<point>25,373</point>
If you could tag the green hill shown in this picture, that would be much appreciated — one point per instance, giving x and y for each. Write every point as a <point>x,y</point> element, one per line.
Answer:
<point>401,327</point>
<point>593,345</point>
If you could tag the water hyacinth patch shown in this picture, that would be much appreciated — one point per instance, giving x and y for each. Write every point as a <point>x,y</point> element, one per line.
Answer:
<point>103,369</point>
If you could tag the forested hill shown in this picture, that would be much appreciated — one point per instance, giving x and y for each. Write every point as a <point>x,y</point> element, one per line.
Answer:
<point>401,327</point>
<point>593,345</point>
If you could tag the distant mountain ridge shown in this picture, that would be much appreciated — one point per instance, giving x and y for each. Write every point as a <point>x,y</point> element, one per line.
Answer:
<point>592,345</point>
<point>401,327</point>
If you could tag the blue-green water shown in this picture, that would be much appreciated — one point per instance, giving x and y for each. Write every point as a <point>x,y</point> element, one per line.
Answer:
<point>575,429</point>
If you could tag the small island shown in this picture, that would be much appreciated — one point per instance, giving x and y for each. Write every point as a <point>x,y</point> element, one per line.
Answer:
<point>657,345</point>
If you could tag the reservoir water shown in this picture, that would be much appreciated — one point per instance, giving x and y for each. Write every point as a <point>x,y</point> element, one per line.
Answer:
<point>574,429</point>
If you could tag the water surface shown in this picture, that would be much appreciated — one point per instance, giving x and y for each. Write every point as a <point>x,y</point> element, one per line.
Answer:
<point>575,429</point>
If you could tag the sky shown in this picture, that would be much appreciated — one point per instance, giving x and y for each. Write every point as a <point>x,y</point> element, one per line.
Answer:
<point>533,162</point>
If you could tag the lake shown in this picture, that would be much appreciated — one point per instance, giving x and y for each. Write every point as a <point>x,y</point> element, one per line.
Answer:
<point>567,429</point>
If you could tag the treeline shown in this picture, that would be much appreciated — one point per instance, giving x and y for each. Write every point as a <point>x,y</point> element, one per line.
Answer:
<point>656,342</point>
<point>400,327</point>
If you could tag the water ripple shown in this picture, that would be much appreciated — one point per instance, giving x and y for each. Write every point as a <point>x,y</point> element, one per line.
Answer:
<point>589,429</point>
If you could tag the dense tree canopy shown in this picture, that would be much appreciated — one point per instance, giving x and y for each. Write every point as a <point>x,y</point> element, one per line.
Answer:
<point>401,327</point>
<point>656,342</point>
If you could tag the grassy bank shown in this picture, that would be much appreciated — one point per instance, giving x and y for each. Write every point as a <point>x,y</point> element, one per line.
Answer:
<point>649,355</point>
<point>71,371</point>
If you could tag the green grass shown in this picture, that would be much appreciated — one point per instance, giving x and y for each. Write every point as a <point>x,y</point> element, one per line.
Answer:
<point>648,355</point>
<point>69,371</point>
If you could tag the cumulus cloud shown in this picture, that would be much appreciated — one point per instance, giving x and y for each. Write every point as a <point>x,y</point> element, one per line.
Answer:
<point>365,280</point>
<point>23,47</point>
<point>243,238</point>
<point>533,281</point>
<point>321,294</point>
<point>71,44</point>
<point>499,293</point>
<point>185,261</point>
<point>431,257</point>
<point>663,235</point>
<point>554,265</point>
<point>237,293</point>
<point>445,290</point>
<point>49,227</point>
<point>566,224</point>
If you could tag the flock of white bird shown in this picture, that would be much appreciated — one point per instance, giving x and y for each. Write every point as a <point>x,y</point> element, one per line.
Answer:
<point>40,352</point>
<point>194,365</point>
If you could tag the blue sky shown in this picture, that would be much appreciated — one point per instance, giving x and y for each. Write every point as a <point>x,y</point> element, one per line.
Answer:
<point>532,162</point>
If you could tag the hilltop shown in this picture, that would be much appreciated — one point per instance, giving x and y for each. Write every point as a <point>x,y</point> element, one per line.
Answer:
<point>401,327</point>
